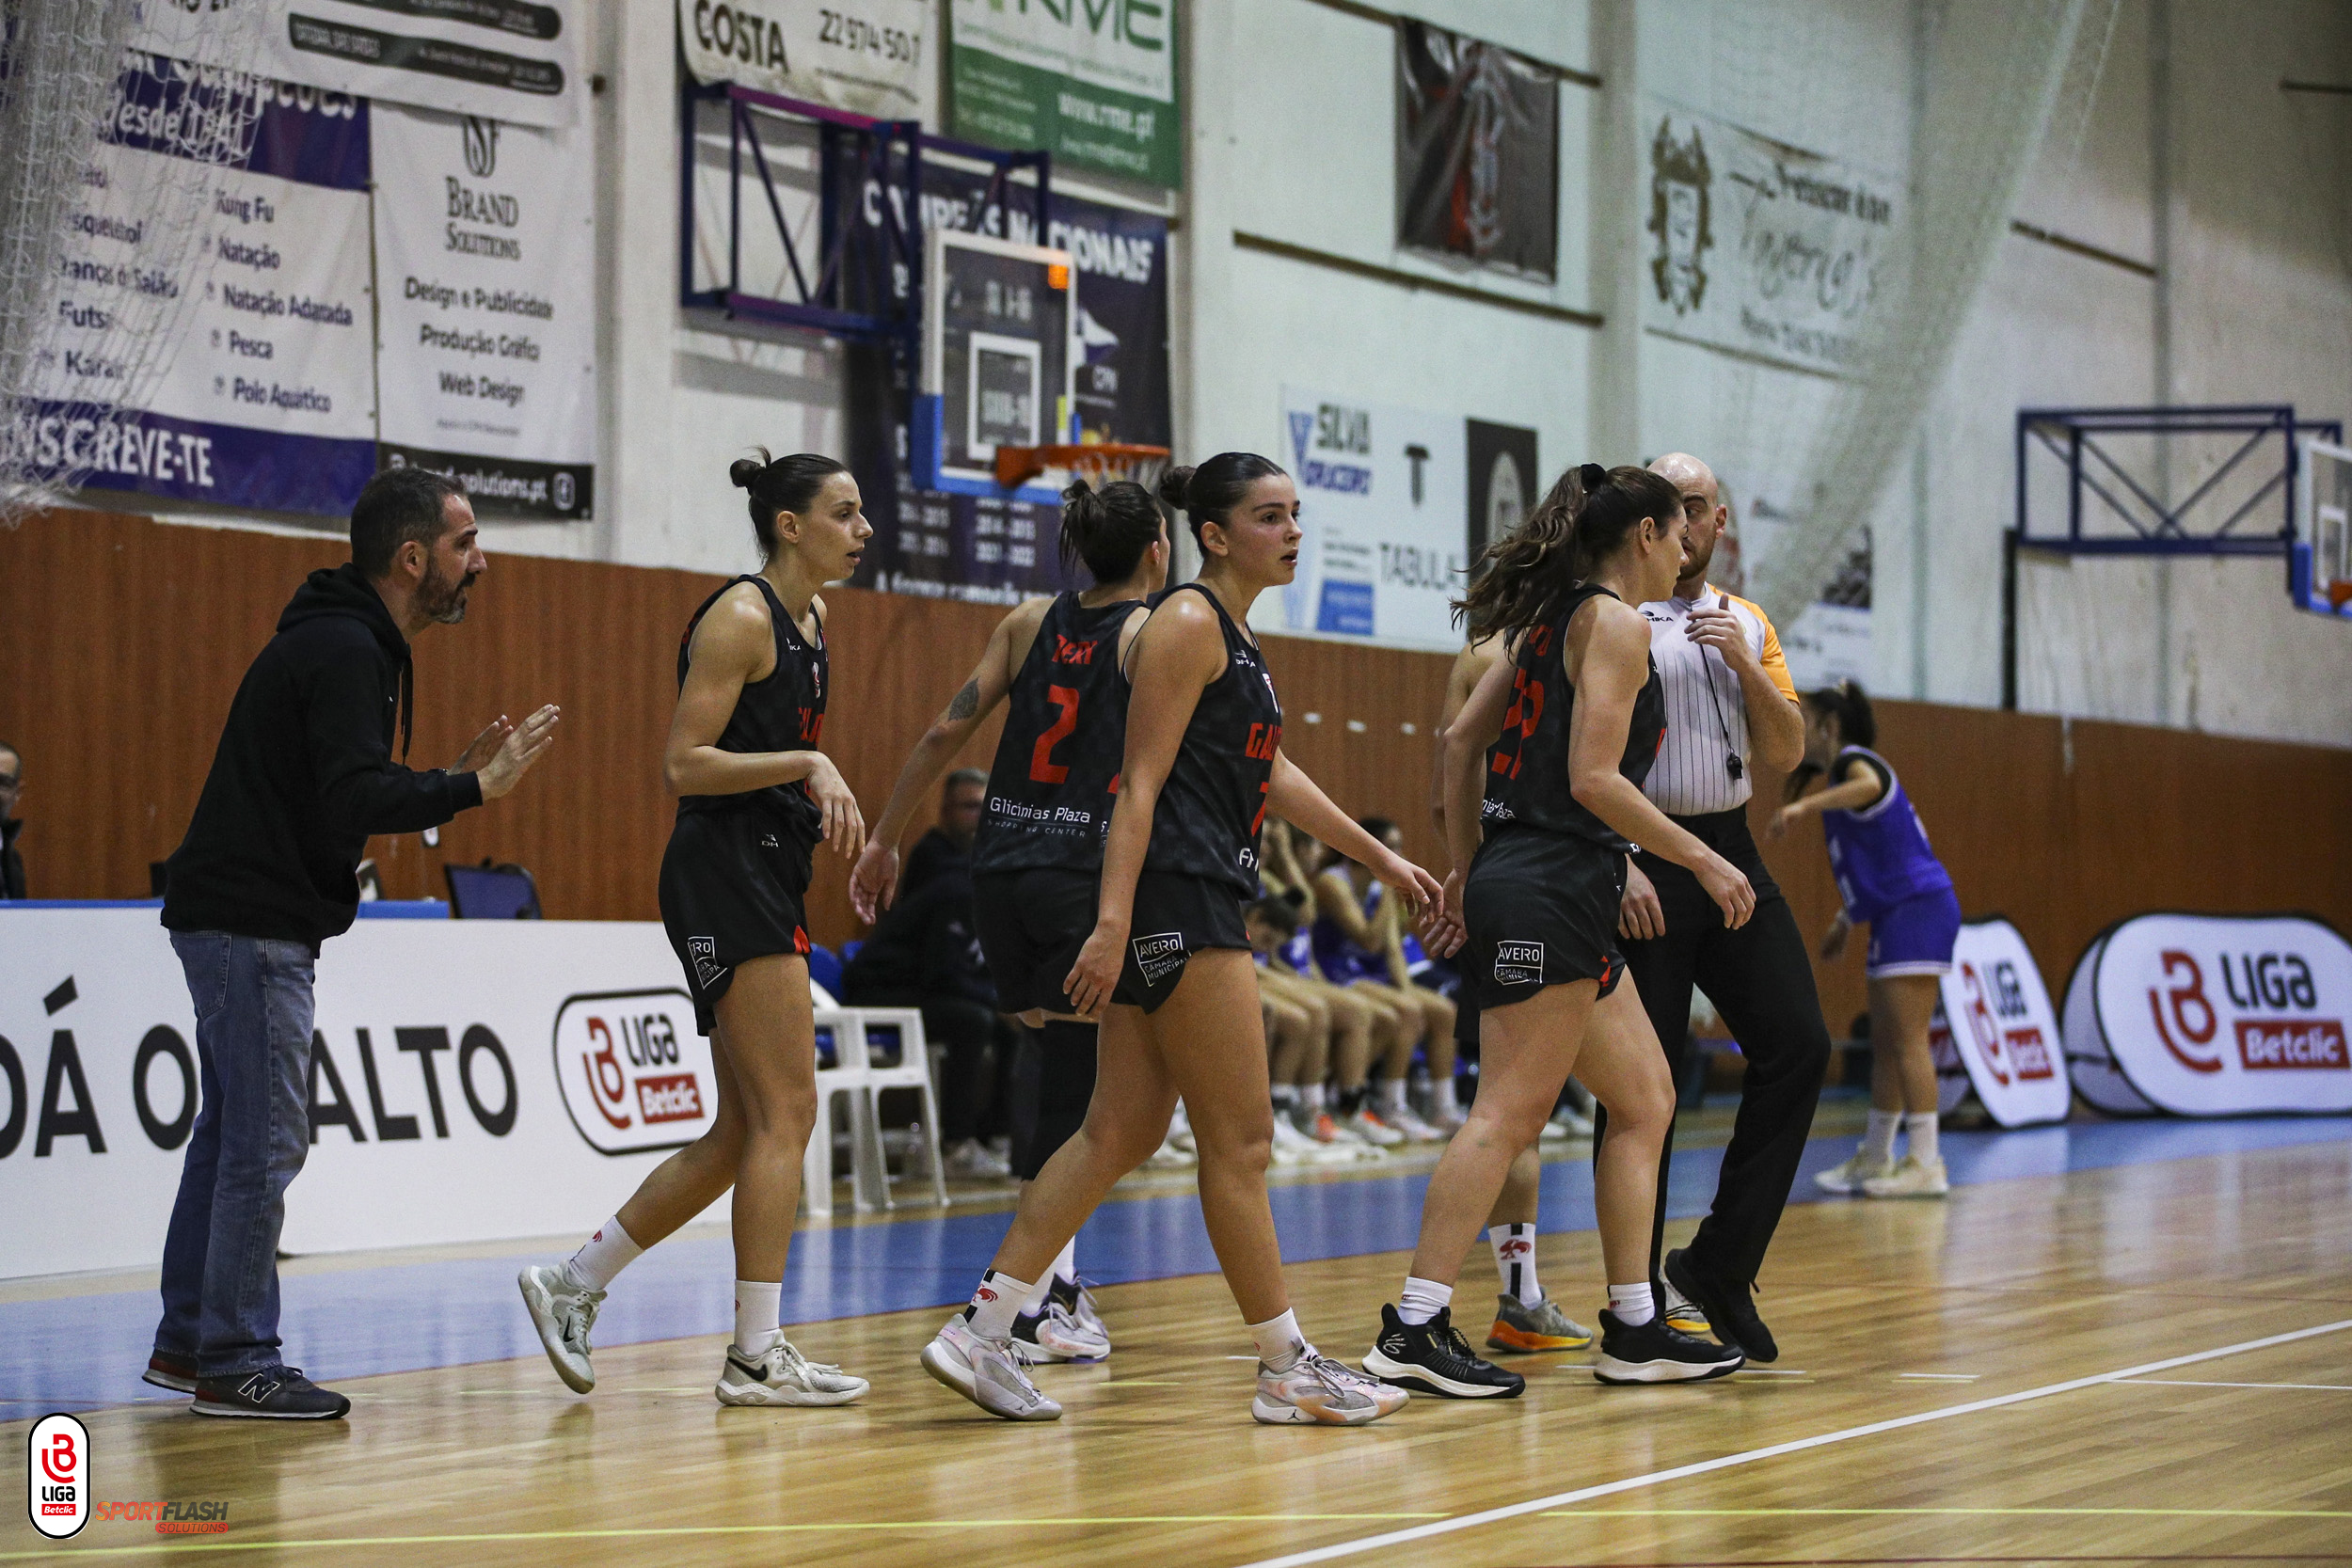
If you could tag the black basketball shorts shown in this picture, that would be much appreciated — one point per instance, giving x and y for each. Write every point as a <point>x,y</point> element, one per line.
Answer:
<point>733,886</point>
<point>1175,916</point>
<point>1031,925</point>
<point>1542,910</point>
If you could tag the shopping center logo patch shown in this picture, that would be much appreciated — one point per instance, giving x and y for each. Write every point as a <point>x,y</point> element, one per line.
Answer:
<point>1160,956</point>
<point>1518,963</point>
<point>635,1075</point>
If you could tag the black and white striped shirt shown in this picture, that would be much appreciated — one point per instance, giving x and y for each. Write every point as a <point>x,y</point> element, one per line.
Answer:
<point>1706,716</point>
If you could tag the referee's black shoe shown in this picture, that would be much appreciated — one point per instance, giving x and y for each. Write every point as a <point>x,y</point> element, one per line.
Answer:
<point>1656,1352</point>
<point>1434,1358</point>
<point>1730,1310</point>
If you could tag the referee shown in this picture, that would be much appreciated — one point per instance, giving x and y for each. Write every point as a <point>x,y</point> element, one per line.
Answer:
<point>1729,705</point>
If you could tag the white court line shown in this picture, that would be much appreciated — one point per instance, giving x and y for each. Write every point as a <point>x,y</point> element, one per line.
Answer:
<point>1562,1499</point>
<point>1941,1377</point>
<point>2315,1387</point>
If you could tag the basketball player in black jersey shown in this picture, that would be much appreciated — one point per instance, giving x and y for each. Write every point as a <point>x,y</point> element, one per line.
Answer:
<point>1562,736</point>
<point>1038,854</point>
<point>1168,964</point>
<point>755,798</point>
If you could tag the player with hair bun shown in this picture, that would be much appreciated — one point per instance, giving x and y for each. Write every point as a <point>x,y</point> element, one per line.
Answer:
<point>755,798</point>
<point>1890,880</point>
<point>1038,852</point>
<point>1168,967</point>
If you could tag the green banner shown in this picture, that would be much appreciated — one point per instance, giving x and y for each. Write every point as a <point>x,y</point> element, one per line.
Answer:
<point>1093,81</point>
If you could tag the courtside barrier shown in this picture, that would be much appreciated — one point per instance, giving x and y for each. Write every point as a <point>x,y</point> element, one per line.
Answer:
<point>2007,1044</point>
<point>2210,1015</point>
<point>470,1081</point>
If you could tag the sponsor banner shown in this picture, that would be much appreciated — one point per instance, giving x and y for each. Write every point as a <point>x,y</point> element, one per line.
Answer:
<point>269,400</point>
<point>980,547</point>
<point>57,1476</point>
<point>1506,479</point>
<point>508,60</point>
<point>485,253</point>
<point>2007,1042</point>
<point>863,55</point>
<point>1387,500</point>
<point>1477,152</point>
<point>1757,247</point>
<point>1092,83</point>
<point>2214,1015</point>
<point>547,1067</point>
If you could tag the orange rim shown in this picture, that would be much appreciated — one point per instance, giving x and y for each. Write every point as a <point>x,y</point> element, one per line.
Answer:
<point>1017,466</point>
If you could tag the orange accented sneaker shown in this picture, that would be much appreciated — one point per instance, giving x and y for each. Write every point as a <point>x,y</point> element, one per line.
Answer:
<point>1534,1330</point>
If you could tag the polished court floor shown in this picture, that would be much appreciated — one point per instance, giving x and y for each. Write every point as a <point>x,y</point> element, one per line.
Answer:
<point>2117,1343</point>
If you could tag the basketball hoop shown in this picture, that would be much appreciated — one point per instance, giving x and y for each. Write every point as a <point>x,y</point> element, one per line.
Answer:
<point>1099,461</point>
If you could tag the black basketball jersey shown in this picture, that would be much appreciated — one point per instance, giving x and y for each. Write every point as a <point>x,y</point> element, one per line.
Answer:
<point>1210,810</point>
<point>783,712</point>
<point>1056,768</point>
<point>1527,769</point>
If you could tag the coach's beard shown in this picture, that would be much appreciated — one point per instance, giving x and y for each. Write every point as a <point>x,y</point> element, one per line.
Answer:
<point>442,600</point>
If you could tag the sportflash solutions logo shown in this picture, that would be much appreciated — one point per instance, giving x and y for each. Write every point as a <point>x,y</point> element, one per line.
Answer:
<point>1518,963</point>
<point>634,1074</point>
<point>2189,1021</point>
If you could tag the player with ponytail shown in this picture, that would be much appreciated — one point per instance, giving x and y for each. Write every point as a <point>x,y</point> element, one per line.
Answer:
<point>755,798</point>
<point>1040,847</point>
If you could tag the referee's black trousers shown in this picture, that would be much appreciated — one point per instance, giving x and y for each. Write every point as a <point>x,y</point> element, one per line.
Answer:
<point>1760,979</point>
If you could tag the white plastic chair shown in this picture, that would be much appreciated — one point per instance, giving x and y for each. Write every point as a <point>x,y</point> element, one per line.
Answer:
<point>846,1076</point>
<point>913,1071</point>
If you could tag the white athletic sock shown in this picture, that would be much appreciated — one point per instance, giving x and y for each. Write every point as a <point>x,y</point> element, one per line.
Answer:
<point>1392,1095</point>
<point>1630,1303</point>
<point>1424,1299</point>
<point>1446,1103</point>
<point>994,1305</point>
<point>1514,1259</point>
<point>1066,1264</point>
<point>1920,1128</point>
<point>757,1304</point>
<point>1279,1343</point>
<point>1316,1099</point>
<point>602,1256</point>
<point>1878,1141</point>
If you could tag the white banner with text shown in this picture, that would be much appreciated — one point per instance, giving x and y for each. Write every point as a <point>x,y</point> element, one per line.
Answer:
<point>2007,1037</point>
<point>862,55</point>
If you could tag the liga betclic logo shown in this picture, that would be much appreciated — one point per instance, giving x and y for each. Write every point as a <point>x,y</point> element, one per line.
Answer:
<point>57,1476</point>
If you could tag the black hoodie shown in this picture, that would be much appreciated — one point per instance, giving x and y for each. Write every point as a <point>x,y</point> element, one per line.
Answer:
<point>305,774</point>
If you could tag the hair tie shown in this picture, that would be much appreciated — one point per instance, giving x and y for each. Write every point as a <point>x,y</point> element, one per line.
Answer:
<point>1592,476</point>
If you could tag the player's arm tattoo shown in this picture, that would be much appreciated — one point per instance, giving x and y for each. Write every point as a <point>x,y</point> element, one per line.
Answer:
<point>966,703</point>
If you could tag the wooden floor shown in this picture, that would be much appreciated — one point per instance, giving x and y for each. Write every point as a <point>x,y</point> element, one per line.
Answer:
<point>1994,1324</point>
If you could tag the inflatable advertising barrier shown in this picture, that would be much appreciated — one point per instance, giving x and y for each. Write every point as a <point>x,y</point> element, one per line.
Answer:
<point>2007,1045</point>
<point>2212,1015</point>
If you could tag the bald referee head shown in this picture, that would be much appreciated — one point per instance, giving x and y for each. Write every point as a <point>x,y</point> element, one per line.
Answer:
<point>1703,509</point>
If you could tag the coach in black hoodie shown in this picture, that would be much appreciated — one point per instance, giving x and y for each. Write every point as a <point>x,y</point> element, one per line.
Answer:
<point>304,775</point>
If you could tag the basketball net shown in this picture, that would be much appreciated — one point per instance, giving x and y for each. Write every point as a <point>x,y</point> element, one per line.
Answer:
<point>1097,462</point>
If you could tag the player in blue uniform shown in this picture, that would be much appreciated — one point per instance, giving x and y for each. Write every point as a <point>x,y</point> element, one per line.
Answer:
<point>1891,881</point>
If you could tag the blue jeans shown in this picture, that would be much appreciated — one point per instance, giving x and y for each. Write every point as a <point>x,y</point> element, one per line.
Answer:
<point>253,1014</point>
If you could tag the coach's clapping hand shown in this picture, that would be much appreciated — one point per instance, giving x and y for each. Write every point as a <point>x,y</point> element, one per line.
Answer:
<point>514,752</point>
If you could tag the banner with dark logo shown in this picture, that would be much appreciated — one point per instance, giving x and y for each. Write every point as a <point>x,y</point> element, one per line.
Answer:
<point>509,60</point>
<point>980,547</point>
<point>2212,1015</point>
<point>485,244</point>
<point>1477,152</point>
<point>269,399</point>
<point>1505,480</point>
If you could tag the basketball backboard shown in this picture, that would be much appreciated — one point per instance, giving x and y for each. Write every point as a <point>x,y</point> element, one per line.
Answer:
<point>999,349</point>
<point>2322,564</point>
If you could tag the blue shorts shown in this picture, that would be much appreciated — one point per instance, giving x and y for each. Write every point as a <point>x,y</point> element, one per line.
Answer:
<point>1916,936</point>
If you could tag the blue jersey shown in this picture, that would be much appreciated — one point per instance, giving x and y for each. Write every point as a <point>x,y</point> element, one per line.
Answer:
<point>1878,854</point>
<point>1339,958</point>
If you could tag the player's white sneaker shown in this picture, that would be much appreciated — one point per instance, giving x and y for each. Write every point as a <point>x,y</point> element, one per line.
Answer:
<point>1057,1335</point>
<point>1849,1174</point>
<point>1169,1157</point>
<point>782,1375</point>
<point>1319,1391</point>
<point>562,1316</point>
<point>1567,1122</point>
<point>1911,1177</point>
<point>986,1372</point>
<point>1412,1126</point>
<point>1293,1147</point>
<point>1080,1297</point>
<point>1370,1126</point>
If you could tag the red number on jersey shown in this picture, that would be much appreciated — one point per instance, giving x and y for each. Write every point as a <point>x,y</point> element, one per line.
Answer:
<point>1042,767</point>
<point>1518,724</point>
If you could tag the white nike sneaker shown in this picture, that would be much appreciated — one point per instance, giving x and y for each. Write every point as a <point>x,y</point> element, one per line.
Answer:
<point>1412,1126</point>
<point>562,1316</point>
<point>1057,1335</point>
<point>1083,1310</point>
<point>1374,1129</point>
<point>782,1375</point>
<point>986,1372</point>
<point>1319,1391</point>
<point>1911,1177</point>
<point>1849,1174</point>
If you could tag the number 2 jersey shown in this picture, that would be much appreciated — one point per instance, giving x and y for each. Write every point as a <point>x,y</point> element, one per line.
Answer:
<point>1056,769</point>
<point>1527,769</point>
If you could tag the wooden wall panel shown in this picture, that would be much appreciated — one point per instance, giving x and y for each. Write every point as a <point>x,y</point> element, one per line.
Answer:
<point>121,642</point>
